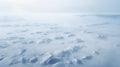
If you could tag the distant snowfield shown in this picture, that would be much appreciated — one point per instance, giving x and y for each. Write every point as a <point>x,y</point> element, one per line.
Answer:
<point>60,41</point>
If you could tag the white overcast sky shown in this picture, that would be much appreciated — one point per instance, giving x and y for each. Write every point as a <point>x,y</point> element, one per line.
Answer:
<point>60,6</point>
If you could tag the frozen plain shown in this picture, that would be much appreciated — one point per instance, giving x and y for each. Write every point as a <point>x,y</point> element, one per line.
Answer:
<point>60,41</point>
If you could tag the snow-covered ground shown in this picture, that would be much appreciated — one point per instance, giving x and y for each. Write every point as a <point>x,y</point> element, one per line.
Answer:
<point>60,41</point>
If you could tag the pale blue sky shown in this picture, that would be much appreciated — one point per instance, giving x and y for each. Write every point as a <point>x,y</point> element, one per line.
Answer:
<point>61,6</point>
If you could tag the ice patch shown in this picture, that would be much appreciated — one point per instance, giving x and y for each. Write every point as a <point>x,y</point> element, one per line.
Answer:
<point>33,59</point>
<point>67,32</point>
<point>1,57</point>
<point>4,45</point>
<point>59,38</point>
<point>79,41</point>
<point>102,36</point>
<point>71,35</point>
<point>50,60</point>
<point>24,60</point>
<point>45,41</point>
<point>89,57</point>
<point>23,51</point>
<point>96,52</point>
<point>39,32</point>
<point>76,61</point>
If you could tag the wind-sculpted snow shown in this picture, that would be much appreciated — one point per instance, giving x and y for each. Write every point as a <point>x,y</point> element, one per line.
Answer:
<point>4,45</point>
<point>83,41</point>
